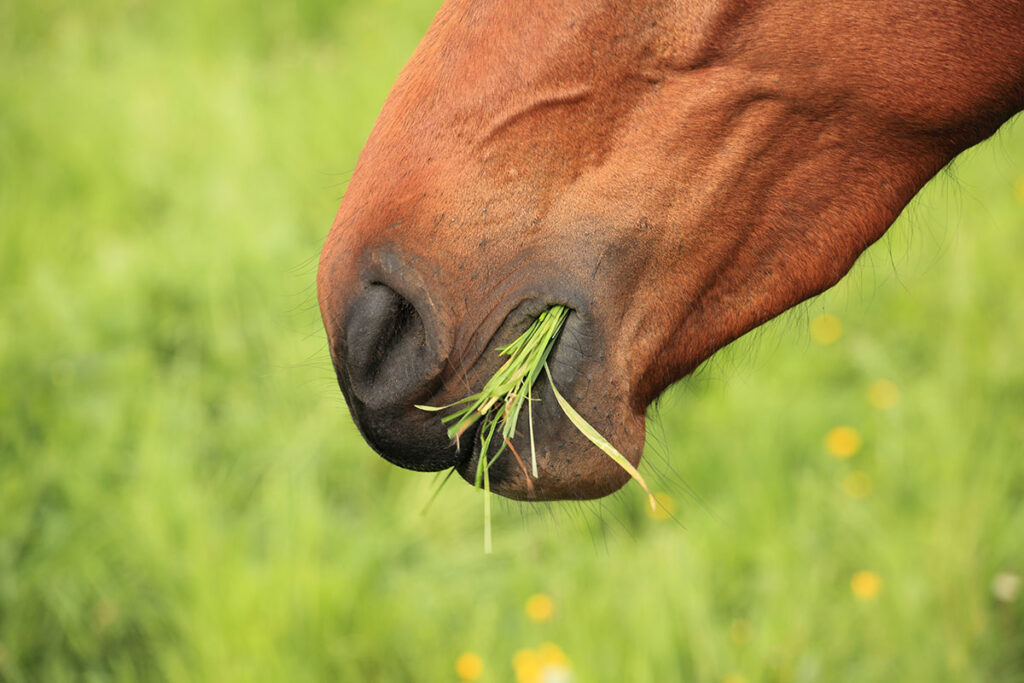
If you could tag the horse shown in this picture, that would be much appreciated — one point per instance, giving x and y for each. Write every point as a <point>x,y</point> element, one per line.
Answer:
<point>675,172</point>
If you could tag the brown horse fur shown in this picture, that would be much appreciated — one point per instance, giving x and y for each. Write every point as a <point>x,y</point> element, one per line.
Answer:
<point>676,172</point>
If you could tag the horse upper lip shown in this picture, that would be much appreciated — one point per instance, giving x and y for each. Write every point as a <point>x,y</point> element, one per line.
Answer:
<point>480,350</point>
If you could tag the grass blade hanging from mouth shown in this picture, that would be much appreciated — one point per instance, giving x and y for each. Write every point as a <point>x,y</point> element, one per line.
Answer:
<point>487,511</point>
<point>533,446</point>
<point>595,438</point>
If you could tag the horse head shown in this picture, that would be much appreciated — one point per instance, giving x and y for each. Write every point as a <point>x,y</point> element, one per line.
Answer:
<point>674,172</point>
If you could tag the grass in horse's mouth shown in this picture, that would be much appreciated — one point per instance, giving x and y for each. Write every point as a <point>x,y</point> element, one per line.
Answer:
<point>500,403</point>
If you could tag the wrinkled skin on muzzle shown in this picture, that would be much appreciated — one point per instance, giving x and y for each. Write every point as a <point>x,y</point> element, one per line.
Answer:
<point>675,173</point>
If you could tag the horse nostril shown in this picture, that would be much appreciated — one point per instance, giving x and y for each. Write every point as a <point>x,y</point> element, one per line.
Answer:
<point>386,349</point>
<point>388,360</point>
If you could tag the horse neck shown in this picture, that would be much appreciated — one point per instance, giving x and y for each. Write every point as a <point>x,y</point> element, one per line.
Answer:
<point>947,72</point>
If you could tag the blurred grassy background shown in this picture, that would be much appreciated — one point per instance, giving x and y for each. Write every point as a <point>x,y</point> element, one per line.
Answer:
<point>183,497</point>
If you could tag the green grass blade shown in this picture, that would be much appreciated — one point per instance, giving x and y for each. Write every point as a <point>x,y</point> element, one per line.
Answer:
<point>487,509</point>
<point>437,491</point>
<point>434,409</point>
<point>595,438</point>
<point>533,446</point>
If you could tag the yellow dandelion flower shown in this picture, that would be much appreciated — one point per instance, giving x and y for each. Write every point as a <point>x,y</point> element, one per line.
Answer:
<point>842,441</point>
<point>552,654</point>
<point>826,329</point>
<point>857,484</point>
<point>883,394</point>
<point>734,678</point>
<point>539,607</point>
<point>665,507</point>
<point>866,585</point>
<point>546,664</point>
<point>469,666</point>
<point>526,666</point>
<point>739,631</point>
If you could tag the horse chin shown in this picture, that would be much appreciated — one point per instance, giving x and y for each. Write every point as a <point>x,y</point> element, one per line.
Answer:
<point>577,471</point>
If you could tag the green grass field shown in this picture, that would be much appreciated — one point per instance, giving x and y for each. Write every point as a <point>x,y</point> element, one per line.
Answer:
<point>183,496</point>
